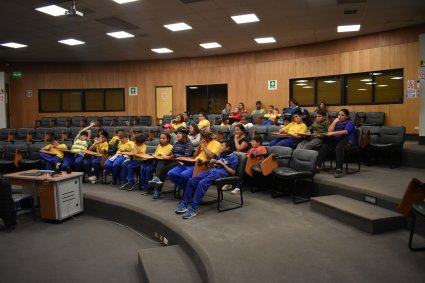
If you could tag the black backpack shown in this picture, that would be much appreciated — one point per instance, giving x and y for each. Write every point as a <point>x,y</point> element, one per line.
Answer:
<point>7,206</point>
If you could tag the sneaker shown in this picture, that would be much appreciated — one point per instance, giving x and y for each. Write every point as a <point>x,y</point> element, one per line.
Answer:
<point>93,182</point>
<point>156,195</point>
<point>189,213</point>
<point>155,182</point>
<point>92,178</point>
<point>132,187</point>
<point>227,187</point>
<point>124,186</point>
<point>236,191</point>
<point>181,208</point>
<point>338,173</point>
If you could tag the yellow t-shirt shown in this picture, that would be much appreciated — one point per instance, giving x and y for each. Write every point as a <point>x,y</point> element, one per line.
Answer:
<point>139,149</point>
<point>295,128</point>
<point>163,150</point>
<point>176,126</point>
<point>57,151</point>
<point>204,124</point>
<point>125,146</point>
<point>103,146</point>
<point>113,140</point>
<point>271,116</point>
<point>224,125</point>
<point>214,146</point>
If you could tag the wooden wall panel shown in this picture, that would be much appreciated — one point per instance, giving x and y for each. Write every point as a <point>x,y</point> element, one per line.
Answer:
<point>246,75</point>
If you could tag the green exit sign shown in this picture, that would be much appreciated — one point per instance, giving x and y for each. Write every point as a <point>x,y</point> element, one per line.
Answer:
<point>17,74</point>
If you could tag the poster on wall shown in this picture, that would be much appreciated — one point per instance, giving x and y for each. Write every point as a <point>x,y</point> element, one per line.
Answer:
<point>272,85</point>
<point>410,91</point>
<point>132,91</point>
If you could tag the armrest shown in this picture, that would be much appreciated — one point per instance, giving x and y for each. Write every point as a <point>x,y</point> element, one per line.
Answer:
<point>227,180</point>
<point>281,157</point>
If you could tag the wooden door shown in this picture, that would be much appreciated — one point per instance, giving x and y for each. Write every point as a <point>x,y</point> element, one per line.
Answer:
<point>164,101</point>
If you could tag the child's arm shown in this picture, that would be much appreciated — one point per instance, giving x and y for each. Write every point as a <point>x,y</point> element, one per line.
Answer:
<point>92,124</point>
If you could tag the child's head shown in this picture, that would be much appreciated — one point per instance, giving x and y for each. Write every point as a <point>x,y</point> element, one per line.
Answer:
<point>240,130</point>
<point>186,116</point>
<point>286,120</point>
<point>182,133</point>
<point>297,117</point>
<point>168,128</point>
<point>321,115</point>
<point>178,119</point>
<point>55,141</point>
<point>193,129</point>
<point>84,135</point>
<point>271,108</point>
<point>275,110</point>
<point>123,137</point>
<point>227,146</point>
<point>164,138</point>
<point>140,139</point>
<point>202,116</point>
<point>256,141</point>
<point>258,104</point>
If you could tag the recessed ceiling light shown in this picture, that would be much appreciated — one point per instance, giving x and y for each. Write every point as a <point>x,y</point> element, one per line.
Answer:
<point>362,89</point>
<point>382,85</point>
<point>178,26</point>
<point>366,80</point>
<point>52,10</point>
<point>396,78</point>
<point>71,41</point>
<point>248,18</point>
<point>301,84</point>
<point>162,50</point>
<point>209,45</point>
<point>193,87</point>
<point>307,86</point>
<point>13,45</point>
<point>120,34</point>
<point>371,83</point>
<point>348,28</point>
<point>376,74</point>
<point>301,81</point>
<point>329,82</point>
<point>262,40</point>
<point>124,1</point>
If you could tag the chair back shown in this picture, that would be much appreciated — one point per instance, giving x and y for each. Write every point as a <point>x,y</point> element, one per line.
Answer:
<point>272,129</point>
<point>145,120</point>
<point>34,150</point>
<point>108,120</point>
<point>62,121</point>
<point>10,150</point>
<point>150,149</point>
<point>240,170</point>
<point>122,119</point>
<point>284,152</point>
<point>166,119</point>
<point>259,130</point>
<point>304,160</point>
<point>46,122</point>
<point>4,133</point>
<point>392,134</point>
<point>374,118</point>
<point>373,133</point>
<point>77,121</point>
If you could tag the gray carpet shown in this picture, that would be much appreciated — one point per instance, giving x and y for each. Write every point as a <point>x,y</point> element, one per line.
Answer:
<point>82,249</point>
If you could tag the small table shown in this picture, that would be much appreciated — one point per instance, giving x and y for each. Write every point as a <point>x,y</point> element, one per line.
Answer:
<point>60,195</point>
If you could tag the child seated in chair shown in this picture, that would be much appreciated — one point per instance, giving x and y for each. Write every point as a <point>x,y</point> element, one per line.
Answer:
<point>225,165</point>
<point>114,162</point>
<point>291,132</point>
<point>127,177</point>
<point>56,156</point>
<point>318,130</point>
<point>93,162</point>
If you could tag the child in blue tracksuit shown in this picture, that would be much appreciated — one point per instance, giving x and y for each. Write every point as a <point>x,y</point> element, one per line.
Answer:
<point>225,165</point>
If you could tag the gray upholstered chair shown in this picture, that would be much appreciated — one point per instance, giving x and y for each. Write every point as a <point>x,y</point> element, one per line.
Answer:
<point>374,119</point>
<point>302,166</point>
<point>390,140</point>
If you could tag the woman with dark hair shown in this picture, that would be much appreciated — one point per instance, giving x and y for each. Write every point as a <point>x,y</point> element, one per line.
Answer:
<point>227,110</point>
<point>194,135</point>
<point>322,106</point>
<point>340,133</point>
<point>178,122</point>
<point>240,140</point>
<point>293,107</point>
<point>203,121</point>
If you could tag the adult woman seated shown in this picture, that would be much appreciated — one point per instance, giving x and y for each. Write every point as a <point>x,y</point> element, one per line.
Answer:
<point>293,107</point>
<point>203,121</point>
<point>341,133</point>
<point>291,132</point>
<point>178,122</point>
<point>194,135</point>
<point>227,110</point>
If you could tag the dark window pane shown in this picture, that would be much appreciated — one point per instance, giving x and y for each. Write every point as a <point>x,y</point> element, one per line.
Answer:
<point>197,98</point>
<point>389,87</point>
<point>50,101</point>
<point>94,100</point>
<point>329,90</point>
<point>217,98</point>
<point>359,88</point>
<point>71,101</point>
<point>114,100</point>
<point>303,91</point>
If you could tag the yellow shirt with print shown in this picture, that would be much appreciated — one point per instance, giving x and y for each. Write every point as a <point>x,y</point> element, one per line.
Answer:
<point>113,140</point>
<point>163,150</point>
<point>103,146</point>
<point>294,128</point>
<point>176,126</point>
<point>125,146</point>
<point>139,149</point>
<point>204,124</point>
<point>57,151</point>
<point>213,146</point>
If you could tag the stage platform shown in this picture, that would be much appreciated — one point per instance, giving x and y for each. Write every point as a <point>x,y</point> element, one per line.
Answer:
<point>272,240</point>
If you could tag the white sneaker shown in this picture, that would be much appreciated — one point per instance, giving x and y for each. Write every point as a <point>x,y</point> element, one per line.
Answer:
<point>236,191</point>
<point>92,178</point>
<point>227,187</point>
<point>93,182</point>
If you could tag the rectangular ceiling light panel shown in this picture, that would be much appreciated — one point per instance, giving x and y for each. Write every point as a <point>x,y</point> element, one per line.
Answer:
<point>71,41</point>
<point>52,10</point>
<point>120,34</point>
<point>348,28</point>
<point>210,45</point>
<point>262,40</point>
<point>162,50</point>
<point>243,19</point>
<point>178,26</point>
<point>13,45</point>
<point>124,1</point>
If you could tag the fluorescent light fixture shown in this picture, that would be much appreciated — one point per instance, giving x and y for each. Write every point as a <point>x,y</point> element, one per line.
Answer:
<point>396,78</point>
<point>52,10</point>
<point>382,85</point>
<point>71,41</point>
<point>162,50</point>
<point>301,84</point>
<point>362,89</point>
<point>371,83</point>
<point>376,74</point>
<point>307,86</point>
<point>120,34</point>
<point>348,28</point>
<point>366,80</point>
<point>243,19</point>
<point>193,87</point>
<point>262,40</point>
<point>178,26</point>
<point>329,82</point>
<point>124,1</point>
<point>301,81</point>
<point>209,45</point>
<point>13,45</point>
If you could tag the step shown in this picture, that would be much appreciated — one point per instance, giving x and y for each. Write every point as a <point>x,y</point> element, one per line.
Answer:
<point>364,216</point>
<point>167,264</point>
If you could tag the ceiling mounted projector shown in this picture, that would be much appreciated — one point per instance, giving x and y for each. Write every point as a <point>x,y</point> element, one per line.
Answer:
<point>73,12</point>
